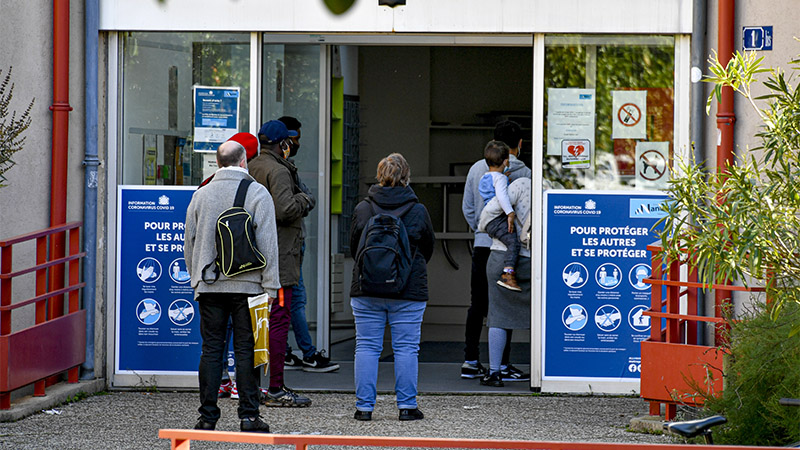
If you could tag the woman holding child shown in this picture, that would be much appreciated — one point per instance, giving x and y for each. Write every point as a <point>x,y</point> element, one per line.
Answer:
<point>509,309</point>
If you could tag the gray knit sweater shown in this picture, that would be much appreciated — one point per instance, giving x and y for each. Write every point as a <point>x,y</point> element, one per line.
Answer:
<point>199,248</point>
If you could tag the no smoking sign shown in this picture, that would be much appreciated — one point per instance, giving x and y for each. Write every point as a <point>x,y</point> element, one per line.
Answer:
<point>629,113</point>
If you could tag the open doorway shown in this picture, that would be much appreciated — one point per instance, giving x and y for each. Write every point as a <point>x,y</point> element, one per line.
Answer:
<point>438,107</point>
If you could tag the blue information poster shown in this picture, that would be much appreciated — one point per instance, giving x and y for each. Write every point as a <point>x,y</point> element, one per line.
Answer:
<point>158,326</point>
<point>216,116</point>
<point>595,261</point>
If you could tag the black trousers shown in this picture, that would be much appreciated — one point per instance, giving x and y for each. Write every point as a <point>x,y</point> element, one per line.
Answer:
<point>215,309</point>
<point>479,307</point>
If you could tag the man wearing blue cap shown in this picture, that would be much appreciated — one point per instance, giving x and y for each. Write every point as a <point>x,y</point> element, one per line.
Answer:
<point>272,169</point>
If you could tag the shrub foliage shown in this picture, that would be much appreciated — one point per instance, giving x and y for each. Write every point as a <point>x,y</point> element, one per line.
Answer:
<point>11,128</point>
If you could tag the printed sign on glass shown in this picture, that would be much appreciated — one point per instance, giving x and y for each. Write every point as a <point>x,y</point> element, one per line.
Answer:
<point>158,327</point>
<point>595,261</point>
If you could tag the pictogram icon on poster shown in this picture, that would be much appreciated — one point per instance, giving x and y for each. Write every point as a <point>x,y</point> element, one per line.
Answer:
<point>629,114</point>
<point>652,165</point>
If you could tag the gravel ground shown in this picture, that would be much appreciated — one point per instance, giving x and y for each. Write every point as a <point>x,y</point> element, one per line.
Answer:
<point>131,420</point>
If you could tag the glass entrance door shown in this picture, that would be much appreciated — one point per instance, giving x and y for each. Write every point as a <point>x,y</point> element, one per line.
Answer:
<point>291,87</point>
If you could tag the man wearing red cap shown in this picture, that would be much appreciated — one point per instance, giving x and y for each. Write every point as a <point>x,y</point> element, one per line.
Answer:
<point>246,140</point>
<point>272,169</point>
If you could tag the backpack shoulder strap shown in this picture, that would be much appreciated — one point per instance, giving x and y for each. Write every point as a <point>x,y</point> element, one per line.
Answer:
<point>241,193</point>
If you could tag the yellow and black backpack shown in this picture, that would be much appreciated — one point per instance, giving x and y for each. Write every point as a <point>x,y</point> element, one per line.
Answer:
<point>235,240</point>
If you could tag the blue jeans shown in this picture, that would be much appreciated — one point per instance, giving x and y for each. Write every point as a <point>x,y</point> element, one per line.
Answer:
<point>298,313</point>
<point>405,322</point>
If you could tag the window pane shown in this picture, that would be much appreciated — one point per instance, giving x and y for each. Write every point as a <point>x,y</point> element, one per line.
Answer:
<point>609,111</point>
<point>159,71</point>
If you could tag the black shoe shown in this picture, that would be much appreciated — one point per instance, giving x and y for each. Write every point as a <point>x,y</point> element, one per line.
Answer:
<point>203,425</point>
<point>292,362</point>
<point>472,370</point>
<point>513,374</point>
<point>318,362</point>
<point>411,414</point>
<point>254,425</point>
<point>286,397</point>
<point>363,415</point>
<point>493,380</point>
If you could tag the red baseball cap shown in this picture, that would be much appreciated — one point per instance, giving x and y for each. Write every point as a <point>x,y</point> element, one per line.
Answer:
<point>249,142</point>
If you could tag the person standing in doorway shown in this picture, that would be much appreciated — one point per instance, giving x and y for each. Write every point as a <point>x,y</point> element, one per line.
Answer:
<point>508,309</point>
<point>510,133</point>
<point>403,306</point>
<point>272,169</point>
<point>227,297</point>
<point>313,360</point>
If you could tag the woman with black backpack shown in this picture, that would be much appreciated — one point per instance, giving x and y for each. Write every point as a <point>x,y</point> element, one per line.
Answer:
<point>391,240</point>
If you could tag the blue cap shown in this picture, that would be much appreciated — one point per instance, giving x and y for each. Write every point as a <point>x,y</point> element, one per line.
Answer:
<point>275,131</point>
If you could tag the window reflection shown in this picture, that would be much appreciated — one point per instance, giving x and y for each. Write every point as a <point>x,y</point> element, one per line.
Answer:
<point>614,96</point>
<point>159,71</point>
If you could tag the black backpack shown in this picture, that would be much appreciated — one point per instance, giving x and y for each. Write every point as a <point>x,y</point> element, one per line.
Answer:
<point>236,240</point>
<point>384,254</point>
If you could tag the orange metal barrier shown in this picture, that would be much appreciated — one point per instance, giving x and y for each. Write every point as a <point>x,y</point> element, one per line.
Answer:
<point>56,342</point>
<point>674,369</point>
<point>181,440</point>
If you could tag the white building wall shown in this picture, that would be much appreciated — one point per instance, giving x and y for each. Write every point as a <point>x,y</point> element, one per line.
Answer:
<point>417,16</point>
<point>26,32</point>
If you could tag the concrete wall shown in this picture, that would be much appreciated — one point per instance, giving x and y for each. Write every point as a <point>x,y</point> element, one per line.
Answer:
<point>26,30</point>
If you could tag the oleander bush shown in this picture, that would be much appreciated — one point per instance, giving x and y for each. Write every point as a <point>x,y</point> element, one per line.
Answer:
<point>743,226</point>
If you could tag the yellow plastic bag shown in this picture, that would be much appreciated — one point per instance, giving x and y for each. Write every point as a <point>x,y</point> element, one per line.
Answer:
<point>260,306</point>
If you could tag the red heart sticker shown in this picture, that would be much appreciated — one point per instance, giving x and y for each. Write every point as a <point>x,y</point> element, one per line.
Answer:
<point>571,150</point>
<point>578,150</point>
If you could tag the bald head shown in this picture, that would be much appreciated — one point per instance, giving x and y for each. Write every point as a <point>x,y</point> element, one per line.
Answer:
<point>231,153</point>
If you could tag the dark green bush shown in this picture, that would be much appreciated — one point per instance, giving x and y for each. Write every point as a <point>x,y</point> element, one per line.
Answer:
<point>763,367</point>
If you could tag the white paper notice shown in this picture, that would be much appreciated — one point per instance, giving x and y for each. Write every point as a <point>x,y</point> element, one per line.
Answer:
<point>209,164</point>
<point>652,165</point>
<point>570,116</point>
<point>629,110</point>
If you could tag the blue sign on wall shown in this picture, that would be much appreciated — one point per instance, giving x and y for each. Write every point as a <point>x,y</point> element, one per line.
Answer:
<point>595,261</point>
<point>757,38</point>
<point>158,324</point>
<point>216,116</point>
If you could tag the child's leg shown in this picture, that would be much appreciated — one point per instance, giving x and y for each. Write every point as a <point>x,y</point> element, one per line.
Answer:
<point>498,229</point>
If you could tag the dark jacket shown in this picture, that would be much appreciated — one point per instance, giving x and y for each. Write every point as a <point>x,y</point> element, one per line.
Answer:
<point>420,236</point>
<point>278,176</point>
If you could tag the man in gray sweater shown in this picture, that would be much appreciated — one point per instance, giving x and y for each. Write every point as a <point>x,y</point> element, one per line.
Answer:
<point>227,297</point>
<point>510,133</point>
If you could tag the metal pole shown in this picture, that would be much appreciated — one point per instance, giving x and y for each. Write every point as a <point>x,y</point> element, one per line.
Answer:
<point>698,115</point>
<point>90,162</point>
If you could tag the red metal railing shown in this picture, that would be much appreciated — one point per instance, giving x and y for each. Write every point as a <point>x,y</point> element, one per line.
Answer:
<point>182,440</point>
<point>675,369</point>
<point>56,342</point>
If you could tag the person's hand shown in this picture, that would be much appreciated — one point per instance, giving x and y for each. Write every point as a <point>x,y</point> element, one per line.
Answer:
<point>306,201</point>
<point>511,216</point>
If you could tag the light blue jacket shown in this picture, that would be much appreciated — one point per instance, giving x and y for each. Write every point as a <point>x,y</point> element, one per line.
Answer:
<point>472,205</point>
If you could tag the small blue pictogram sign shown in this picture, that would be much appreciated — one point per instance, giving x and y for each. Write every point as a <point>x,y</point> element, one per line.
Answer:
<point>757,38</point>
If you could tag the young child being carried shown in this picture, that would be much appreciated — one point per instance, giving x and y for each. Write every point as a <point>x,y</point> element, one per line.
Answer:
<point>494,184</point>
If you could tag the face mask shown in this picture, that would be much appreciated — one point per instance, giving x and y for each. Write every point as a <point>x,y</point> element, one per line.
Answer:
<point>286,149</point>
<point>293,148</point>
